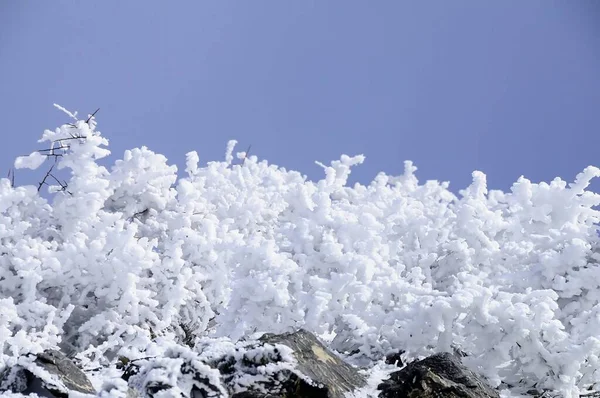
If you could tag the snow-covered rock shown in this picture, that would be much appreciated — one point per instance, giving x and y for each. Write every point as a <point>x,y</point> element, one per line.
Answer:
<point>47,374</point>
<point>439,376</point>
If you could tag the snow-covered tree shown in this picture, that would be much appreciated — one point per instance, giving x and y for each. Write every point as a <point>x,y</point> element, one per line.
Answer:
<point>121,260</point>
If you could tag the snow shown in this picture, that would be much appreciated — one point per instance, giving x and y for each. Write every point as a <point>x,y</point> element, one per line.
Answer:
<point>31,161</point>
<point>124,258</point>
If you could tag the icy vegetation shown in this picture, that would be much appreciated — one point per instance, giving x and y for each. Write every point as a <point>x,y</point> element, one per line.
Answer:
<point>129,261</point>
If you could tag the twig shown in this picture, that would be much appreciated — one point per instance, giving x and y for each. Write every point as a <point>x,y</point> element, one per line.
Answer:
<point>246,154</point>
<point>64,148</point>
<point>45,177</point>
<point>63,186</point>
<point>11,177</point>
<point>54,149</point>
<point>92,115</point>
<point>70,138</point>
<point>139,214</point>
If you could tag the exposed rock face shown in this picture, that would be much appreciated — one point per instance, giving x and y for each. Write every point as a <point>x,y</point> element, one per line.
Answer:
<point>438,376</point>
<point>325,369</point>
<point>52,374</point>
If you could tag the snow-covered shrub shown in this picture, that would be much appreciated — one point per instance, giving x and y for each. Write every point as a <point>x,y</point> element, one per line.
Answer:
<point>127,256</point>
<point>215,367</point>
<point>178,372</point>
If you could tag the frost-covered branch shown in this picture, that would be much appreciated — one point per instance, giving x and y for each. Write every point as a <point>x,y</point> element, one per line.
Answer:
<point>135,256</point>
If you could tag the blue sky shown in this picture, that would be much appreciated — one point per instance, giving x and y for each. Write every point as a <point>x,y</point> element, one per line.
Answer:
<point>507,87</point>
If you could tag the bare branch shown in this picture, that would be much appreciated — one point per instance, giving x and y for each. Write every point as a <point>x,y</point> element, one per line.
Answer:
<point>54,149</point>
<point>92,115</point>
<point>62,185</point>
<point>70,138</point>
<point>11,177</point>
<point>246,154</point>
<point>139,214</point>
<point>45,177</point>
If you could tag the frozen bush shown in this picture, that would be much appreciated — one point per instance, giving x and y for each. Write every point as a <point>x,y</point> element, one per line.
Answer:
<point>121,258</point>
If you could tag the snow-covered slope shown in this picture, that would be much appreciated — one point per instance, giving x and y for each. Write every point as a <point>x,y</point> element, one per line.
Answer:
<point>122,259</point>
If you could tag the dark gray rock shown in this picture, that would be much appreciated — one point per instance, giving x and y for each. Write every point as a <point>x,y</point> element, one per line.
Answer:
<point>64,376</point>
<point>66,371</point>
<point>438,376</point>
<point>395,358</point>
<point>13,379</point>
<point>332,377</point>
<point>291,387</point>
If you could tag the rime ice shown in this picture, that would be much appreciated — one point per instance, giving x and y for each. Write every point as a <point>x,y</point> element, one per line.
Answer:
<point>121,259</point>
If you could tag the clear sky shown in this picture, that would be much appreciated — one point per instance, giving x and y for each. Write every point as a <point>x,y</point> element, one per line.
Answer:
<point>506,87</point>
